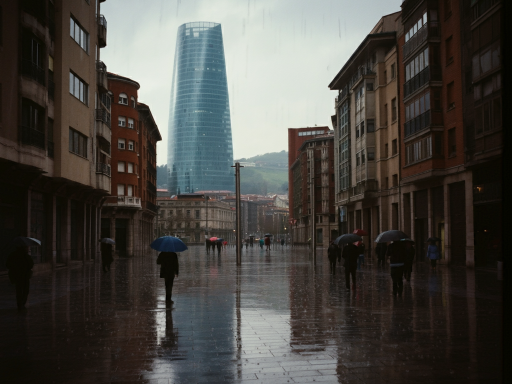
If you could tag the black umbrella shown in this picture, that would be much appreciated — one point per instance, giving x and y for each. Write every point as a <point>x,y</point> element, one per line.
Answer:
<point>268,235</point>
<point>347,238</point>
<point>433,239</point>
<point>392,235</point>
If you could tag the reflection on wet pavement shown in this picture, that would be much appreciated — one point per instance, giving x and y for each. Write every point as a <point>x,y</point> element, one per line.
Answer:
<point>277,319</point>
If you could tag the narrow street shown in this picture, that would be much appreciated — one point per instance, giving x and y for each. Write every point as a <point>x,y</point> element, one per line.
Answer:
<point>280,319</point>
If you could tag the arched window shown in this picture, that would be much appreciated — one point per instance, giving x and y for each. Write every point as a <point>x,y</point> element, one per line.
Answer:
<point>123,98</point>
<point>134,104</point>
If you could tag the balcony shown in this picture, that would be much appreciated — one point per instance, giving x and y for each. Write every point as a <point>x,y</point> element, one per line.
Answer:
<point>151,169</point>
<point>101,76</point>
<point>430,73</point>
<point>151,206</point>
<point>103,169</point>
<point>35,8</point>
<point>31,136</point>
<point>104,116</point>
<point>102,31</point>
<point>423,121</point>
<point>151,149</point>
<point>32,70</point>
<point>425,32</point>
<point>151,187</point>
<point>124,201</point>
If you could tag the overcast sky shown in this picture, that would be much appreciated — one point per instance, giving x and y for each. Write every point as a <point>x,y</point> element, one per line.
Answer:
<point>280,57</point>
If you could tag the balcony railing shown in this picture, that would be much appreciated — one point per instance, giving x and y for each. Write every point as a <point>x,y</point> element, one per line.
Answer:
<point>102,31</point>
<point>428,30</point>
<point>31,69</point>
<point>50,149</point>
<point>103,115</point>
<point>101,72</point>
<point>151,206</point>
<point>430,73</point>
<point>31,136</point>
<point>103,168</point>
<point>129,201</point>
<point>425,120</point>
<point>151,187</point>
<point>151,149</point>
<point>151,169</point>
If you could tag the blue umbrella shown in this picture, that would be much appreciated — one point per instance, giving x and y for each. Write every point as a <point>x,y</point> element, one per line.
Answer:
<point>168,244</point>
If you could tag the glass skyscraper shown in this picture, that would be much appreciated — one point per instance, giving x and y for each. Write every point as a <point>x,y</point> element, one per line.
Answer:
<point>200,150</point>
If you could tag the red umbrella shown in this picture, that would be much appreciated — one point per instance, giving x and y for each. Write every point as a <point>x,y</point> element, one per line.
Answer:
<point>360,232</point>
<point>213,238</point>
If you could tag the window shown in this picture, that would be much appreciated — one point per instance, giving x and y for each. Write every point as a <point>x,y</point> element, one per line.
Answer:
<point>418,151</point>
<point>32,115</point>
<point>416,65</point>
<point>363,158</point>
<point>393,110</point>
<point>393,71</point>
<point>123,98</point>
<point>121,143</point>
<point>188,213</point>
<point>416,27</point>
<point>78,88</point>
<point>369,86</point>
<point>121,121</point>
<point>452,147</point>
<point>358,159</point>
<point>395,180</point>
<point>385,77</point>
<point>33,56</point>
<point>120,189</point>
<point>447,8</point>
<point>394,147</point>
<point>370,125</point>
<point>129,190</point>
<point>488,116</point>
<point>450,97</point>
<point>386,183</point>
<point>385,116</point>
<point>416,116</point>
<point>78,33</point>
<point>77,143</point>
<point>130,168</point>
<point>133,102</point>
<point>120,166</point>
<point>197,215</point>
<point>386,151</point>
<point>371,154</point>
<point>130,123</point>
<point>486,60</point>
<point>130,145</point>
<point>449,50</point>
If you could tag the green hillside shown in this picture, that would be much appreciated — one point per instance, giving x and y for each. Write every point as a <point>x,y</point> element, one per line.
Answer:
<point>269,175</point>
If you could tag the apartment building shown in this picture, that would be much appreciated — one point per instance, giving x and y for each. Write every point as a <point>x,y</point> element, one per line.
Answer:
<point>128,215</point>
<point>366,134</point>
<point>436,187</point>
<point>195,217</point>
<point>482,97</point>
<point>313,192</point>
<point>51,81</point>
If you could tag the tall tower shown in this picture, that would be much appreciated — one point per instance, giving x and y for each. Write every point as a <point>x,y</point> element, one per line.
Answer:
<point>200,150</point>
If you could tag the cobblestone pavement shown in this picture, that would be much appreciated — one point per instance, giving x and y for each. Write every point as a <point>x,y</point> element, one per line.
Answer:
<point>279,319</point>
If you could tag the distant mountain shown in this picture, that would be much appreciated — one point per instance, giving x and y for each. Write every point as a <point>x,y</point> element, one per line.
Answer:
<point>262,174</point>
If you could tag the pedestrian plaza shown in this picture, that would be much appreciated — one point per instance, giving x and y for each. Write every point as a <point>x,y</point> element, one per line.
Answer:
<point>279,318</point>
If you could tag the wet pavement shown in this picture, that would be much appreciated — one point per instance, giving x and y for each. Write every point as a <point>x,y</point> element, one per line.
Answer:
<point>277,319</point>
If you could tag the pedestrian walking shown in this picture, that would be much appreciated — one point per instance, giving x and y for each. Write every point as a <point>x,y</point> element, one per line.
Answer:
<point>350,255</point>
<point>396,254</point>
<point>433,254</point>
<point>282,243</point>
<point>267,243</point>
<point>262,243</point>
<point>360,257</point>
<point>381,250</point>
<point>219,247</point>
<point>207,246</point>
<point>106,256</point>
<point>332,254</point>
<point>19,263</point>
<point>169,269</point>
<point>409,259</point>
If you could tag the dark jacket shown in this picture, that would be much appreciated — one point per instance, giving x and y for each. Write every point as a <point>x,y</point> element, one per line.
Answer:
<point>106,253</point>
<point>19,263</point>
<point>350,254</point>
<point>396,253</point>
<point>381,249</point>
<point>333,252</point>
<point>409,254</point>
<point>219,245</point>
<point>169,264</point>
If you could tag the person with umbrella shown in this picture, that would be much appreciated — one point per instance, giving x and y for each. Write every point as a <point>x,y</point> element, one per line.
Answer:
<point>350,254</point>
<point>433,251</point>
<point>168,261</point>
<point>396,254</point>
<point>219,246</point>
<point>267,242</point>
<point>20,264</point>
<point>106,253</point>
<point>381,250</point>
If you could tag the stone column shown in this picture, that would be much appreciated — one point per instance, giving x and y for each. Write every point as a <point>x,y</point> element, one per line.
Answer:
<point>66,232</point>
<point>447,223</point>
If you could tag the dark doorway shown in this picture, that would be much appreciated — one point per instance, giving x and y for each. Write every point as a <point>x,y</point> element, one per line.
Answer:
<point>121,236</point>
<point>421,222</point>
<point>487,220</point>
<point>458,223</point>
